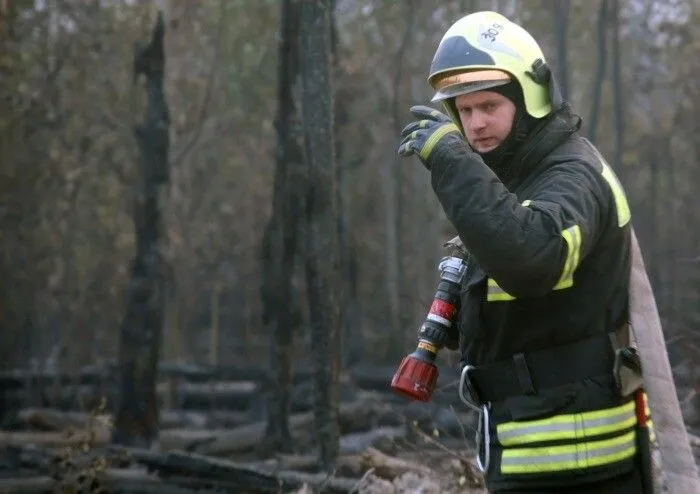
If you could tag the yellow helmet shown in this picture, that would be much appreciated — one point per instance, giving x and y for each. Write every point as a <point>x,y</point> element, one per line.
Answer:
<point>484,50</point>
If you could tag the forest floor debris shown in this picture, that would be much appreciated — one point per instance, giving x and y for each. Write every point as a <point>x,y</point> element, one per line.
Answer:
<point>387,446</point>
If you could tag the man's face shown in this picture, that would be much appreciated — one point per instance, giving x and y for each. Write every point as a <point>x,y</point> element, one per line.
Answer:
<point>487,119</point>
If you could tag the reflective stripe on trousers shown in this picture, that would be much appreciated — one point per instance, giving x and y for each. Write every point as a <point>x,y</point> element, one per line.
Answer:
<point>568,426</point>
<point>570,457</point>
<point>518,438</point>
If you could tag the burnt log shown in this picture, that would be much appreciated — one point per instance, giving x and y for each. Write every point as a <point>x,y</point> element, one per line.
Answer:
<point>202,396</point>
<point>48,419</point>
<point>98,374</point>
<point>357,442</point>
<point>228,395</point>
<point>355,416</point>
<point>198,470</point>
<point>52,420</point>
<point>21,378</point>
<point>241,439</point>
<point>113,481</point>
<point>96,436</point>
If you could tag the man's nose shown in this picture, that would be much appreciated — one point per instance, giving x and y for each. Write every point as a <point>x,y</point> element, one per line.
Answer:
<point>476,121</point>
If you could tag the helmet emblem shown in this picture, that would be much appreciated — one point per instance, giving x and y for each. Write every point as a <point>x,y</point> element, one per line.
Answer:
<point>488,39</point>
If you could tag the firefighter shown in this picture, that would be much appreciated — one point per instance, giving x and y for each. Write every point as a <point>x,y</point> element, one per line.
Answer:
<point>546,226</point>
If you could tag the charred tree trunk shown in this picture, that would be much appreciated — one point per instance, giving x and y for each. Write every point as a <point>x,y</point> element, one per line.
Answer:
<point>352,342</point>
<point>399,254</point>
<point>140,333</point>
<point>562,22</point>
<point>394,189</point>
<point>23,118</point>
<point>322,241</point>
<point>281,237</point>
<point>601,69</point>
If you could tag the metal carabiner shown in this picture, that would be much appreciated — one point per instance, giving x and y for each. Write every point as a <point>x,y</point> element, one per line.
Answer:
<point>483,429</point>
<point>464,383</point>
<point>472,401</point>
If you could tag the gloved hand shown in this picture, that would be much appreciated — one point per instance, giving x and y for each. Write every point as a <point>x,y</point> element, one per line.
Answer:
<point>423,136</point>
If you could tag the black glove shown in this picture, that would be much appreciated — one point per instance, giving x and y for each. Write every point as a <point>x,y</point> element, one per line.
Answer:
<point>423,136</point>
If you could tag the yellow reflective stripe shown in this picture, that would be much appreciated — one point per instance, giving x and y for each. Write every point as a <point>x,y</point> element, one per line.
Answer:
<point>495,293</point>
<point>568,426</point>
<point>621,204</point>
<point>572,235</point>
<point>569,457</point>
<point>527,202</point>
<point>435,137</point>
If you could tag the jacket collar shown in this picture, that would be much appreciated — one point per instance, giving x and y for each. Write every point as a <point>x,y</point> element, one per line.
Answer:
<point>547,135</point>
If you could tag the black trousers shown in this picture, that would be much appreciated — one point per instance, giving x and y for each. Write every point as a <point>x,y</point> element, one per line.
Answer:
<point>629,483</point>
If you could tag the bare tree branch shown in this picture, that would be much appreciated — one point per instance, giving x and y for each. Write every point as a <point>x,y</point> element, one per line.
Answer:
<point>204,105</point>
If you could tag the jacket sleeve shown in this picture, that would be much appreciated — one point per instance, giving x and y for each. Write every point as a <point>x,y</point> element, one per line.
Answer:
<point>529,248</point>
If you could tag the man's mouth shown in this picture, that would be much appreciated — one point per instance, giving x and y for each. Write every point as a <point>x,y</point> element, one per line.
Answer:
<point>485,142</point>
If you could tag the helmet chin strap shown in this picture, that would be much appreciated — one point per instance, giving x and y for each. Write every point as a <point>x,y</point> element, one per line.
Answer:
<point>542,74</point>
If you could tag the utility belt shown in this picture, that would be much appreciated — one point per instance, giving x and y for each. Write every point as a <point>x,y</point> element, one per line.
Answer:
<point>528,373</point>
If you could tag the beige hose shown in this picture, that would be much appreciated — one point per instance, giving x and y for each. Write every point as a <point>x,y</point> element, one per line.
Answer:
<point>677,457</point>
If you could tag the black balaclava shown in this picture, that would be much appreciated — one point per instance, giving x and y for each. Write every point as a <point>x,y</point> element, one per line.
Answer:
<point>499,159</point>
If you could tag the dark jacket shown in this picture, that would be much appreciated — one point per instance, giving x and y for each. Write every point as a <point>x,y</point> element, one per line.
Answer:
<point>547,281</point>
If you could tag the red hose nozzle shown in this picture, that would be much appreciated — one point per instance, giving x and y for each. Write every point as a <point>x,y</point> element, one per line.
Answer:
<point>417,373</point>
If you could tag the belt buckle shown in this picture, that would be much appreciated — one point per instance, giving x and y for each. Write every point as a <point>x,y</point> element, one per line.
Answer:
<point>467,391</point>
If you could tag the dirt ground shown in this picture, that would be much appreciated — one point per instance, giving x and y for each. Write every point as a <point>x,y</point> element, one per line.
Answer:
<point>444,471</point>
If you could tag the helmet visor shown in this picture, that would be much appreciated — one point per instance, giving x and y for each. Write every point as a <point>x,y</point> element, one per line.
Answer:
<point>465,88</point>
<point>450,85</point>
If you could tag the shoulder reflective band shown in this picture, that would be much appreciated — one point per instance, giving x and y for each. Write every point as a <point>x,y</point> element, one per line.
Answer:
<point>569,457</point>
<point>623,209</point>
<point>568,426</point>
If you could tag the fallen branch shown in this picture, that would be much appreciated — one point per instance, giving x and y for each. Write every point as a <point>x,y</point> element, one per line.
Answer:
<point>390,467</point>
<point>359,441</point>
<point>473,477</point>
